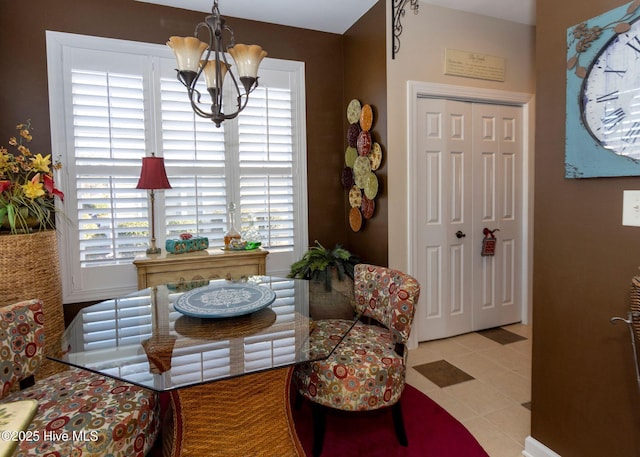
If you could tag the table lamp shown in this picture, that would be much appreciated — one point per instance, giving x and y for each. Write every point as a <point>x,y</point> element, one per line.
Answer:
<point>153,177</point>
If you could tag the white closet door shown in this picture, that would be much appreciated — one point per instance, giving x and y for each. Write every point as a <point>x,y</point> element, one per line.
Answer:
<point>468,163</point>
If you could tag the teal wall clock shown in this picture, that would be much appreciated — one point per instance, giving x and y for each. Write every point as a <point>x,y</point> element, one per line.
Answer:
<point>603,95</point>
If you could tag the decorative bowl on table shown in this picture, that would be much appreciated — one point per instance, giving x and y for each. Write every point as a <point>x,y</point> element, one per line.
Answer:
<point>224,300</point>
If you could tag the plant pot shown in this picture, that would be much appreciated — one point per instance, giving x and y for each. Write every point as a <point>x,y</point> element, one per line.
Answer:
<point>336,303</point>
<point>32,223</point>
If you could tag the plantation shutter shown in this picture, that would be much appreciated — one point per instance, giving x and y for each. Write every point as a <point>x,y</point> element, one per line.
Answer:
<point>266,166</point>
<point>194,151</point>
<point>109,139</point>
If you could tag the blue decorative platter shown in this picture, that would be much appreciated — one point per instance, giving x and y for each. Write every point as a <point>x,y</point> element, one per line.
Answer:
<point>224,300</point>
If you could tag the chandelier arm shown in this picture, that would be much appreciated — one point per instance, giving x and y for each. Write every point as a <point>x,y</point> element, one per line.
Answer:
<point>233,37</point>
<point>200,112</point>
<point>206,57</point>
<point>237,90</point>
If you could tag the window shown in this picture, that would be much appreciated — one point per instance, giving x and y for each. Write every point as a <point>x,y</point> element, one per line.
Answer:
<point>117,101</point>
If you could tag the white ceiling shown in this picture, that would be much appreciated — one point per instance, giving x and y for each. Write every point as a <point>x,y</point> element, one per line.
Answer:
<point>336,16</point>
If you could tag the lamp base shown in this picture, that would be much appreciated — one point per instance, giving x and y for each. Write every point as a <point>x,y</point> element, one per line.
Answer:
<point>154,250</point>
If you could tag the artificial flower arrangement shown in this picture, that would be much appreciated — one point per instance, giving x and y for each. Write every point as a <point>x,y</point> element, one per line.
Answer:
<point>27,190</point>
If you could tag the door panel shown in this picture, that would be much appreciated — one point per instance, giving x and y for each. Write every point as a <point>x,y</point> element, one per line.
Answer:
<point>469,168</point>
<point>444,167</point>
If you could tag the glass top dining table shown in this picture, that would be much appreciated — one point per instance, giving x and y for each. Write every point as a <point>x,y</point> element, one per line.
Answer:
<point>141,338</point>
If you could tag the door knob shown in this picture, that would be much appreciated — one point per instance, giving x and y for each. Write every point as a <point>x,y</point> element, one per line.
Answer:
<point>460,234</point>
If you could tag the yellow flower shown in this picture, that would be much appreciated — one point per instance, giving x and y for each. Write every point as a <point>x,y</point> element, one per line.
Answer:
<point>26,184</point>
<point>40,163</point>
<point>24,133</point>
<point>33,189</point>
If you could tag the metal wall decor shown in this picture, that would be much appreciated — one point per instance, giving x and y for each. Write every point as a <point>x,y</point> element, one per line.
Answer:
<point>397,12</point>
<point>363,157</point>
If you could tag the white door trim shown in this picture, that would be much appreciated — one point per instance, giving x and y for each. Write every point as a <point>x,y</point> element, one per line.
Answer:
<point>417,89</point>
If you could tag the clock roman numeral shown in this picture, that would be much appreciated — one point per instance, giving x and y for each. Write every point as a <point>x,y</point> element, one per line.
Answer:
<point>634,44</point>
<point>610,120</point>
<point>607,97</point>
<point>617,72</point>
<point>631,136</point>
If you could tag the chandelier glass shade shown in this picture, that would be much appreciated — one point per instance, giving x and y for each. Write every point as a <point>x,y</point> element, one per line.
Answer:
<point>195,57</point>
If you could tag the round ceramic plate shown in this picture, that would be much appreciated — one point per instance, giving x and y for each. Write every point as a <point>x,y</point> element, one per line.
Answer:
<point>367,207</point>
<point>371,185</point>
<point>347,178</point>
<point>355,197</point>
<point>224,300</point>
<point>364,143</point>
<point>366,117</point>
<point>350,156</point>
<point>361,168</point>
<point>352,135</point>
<point>355,219</point>
<point>375,156</point>
<point>353,111</point>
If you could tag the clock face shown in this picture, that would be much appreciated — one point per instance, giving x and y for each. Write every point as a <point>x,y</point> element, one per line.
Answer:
<point>610,95</point>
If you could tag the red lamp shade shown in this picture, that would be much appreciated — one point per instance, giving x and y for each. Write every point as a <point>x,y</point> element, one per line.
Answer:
<point>153,175</point>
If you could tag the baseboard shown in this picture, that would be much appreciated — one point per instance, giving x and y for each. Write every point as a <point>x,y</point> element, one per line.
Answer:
<point>534,448</point>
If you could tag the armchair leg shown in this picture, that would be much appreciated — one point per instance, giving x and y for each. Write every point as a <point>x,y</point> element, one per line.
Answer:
<point>398,423</point>
<point>319,424</point>
<point>27,382</point>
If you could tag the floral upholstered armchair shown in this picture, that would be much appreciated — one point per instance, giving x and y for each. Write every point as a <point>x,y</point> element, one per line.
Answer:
<point>79,413</point>
<point>367,369</point>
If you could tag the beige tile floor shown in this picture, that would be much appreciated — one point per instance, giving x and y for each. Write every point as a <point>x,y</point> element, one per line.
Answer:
<point>490,406</point>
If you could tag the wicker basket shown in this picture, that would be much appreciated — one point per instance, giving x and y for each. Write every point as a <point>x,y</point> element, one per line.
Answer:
<point>30,268</point>
<point>240,417</point>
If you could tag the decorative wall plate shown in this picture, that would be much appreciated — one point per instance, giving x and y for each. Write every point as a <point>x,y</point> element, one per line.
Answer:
<point>371,185</point>
<point>367,207</point>
<point>364,143</point>
<point>224,300</point>
<point>375,156</point>
<point>355,219</point>
<point>350,156</point>
<point>361,168</point>
<point>366,117</point>
<point>352,135</point>
<point>355,197</point>
<point>347,178</point>
<point>353,111</point>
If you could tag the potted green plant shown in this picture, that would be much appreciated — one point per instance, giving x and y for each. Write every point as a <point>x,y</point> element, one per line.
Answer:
<point>322,264</point>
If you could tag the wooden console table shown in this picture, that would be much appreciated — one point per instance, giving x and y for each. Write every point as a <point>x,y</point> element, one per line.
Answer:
<point>164,268</point>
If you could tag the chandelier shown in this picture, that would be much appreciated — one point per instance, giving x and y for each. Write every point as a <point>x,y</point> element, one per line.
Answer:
<point>193,57</point>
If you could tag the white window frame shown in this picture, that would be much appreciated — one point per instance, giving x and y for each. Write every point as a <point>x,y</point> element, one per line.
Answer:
<point>83,285</point>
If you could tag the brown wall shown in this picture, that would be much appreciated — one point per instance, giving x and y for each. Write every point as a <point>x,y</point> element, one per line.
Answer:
<point>24,92</point>
<point>366,80</point>
<point>585,401</point>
